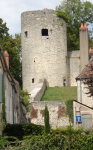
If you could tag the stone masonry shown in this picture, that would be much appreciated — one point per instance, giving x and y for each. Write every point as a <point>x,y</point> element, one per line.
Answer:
<point>44,50</point>
<point>73,63</point>
<point>43,56</point>
<point>57,113</point>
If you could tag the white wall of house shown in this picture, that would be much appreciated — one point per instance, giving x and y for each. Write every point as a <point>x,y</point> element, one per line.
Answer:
<point>8,99</point>
<point>83,110</point>
<point>82,97</point>
<point>1,71</point>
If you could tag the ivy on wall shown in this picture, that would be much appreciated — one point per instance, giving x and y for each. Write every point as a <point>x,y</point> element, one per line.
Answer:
<point>69,105</point>
<point>3,105</point>
<point>25,98</point>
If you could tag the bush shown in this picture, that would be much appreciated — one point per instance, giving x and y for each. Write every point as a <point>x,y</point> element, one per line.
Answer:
<point>1,143</point>
<point>59,139</point>
<point>51,141</point>
<point>20,130</point>
<point>46,120</point>
<point>25,98</point>
<point>69,105</point>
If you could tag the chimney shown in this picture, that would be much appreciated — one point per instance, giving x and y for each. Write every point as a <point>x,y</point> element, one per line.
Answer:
<point>84,47</point>
<point>7,58</point>
<point>90,49</point>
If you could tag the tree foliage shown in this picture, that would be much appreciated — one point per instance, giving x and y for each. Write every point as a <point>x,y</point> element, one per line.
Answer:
<point>4,106</point>
<point>46,120</point>
<point>89,82</point>
<point>13,46</point>
<point>25,98</point>
<point>75,12</point>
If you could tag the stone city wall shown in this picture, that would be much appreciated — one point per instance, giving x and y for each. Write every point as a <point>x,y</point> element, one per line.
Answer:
<point>38,92</point>
<point>57,113</point>
<point>8,99</point>
<point>73,63</point>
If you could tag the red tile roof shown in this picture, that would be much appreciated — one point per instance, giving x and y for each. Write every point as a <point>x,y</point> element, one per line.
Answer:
<point>90,52</point>
<point>87,72</point>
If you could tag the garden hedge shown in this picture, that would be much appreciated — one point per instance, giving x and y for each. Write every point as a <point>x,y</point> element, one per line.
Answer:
<point>20,130</point>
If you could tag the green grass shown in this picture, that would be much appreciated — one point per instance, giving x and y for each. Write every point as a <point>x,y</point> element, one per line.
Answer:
<point>60,93</point>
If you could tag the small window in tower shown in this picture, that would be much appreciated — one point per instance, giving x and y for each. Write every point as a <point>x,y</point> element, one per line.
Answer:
<point>26,34</point>
<point>44,32</point>
<point>33,80</point>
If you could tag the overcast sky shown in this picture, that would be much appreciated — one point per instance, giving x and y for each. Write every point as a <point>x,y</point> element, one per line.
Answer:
<point>10,11</point>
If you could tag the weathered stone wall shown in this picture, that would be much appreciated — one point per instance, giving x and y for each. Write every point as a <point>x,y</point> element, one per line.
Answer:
<point>57,113</point>
<point>17,103</point>
<point>38,92</point>
<point>19,108</point>
<point>1,71</point>
<point>73,63</point>
<point>8,99</point>
<point>43,56</point>
<point>22,111</point>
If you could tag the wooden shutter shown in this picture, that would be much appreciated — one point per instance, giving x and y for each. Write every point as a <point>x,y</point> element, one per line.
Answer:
<point>1,88</point>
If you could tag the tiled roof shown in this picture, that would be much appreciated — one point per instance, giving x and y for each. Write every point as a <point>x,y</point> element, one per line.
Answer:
<point>87,72</point>
<point>90,52</point>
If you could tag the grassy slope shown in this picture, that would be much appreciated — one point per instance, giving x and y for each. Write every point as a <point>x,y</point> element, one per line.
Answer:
<point>60,93</point>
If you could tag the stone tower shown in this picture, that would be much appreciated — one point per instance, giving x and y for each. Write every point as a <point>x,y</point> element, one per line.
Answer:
<point>44,48</point>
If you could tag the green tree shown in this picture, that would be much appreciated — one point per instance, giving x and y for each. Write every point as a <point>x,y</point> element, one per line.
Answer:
<point>25,98</point>
<point>75,12</point>
<point>13,46</point>
<point>46,120</point>
<point>3,105</point>
<point>3,29</point>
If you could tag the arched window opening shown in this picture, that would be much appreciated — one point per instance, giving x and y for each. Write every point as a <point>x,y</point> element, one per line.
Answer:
<point>44,32</point>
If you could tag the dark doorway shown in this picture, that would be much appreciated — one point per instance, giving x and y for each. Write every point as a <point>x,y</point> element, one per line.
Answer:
<point>64,82</point>
<point>44,32</point>
<point>33,80</point>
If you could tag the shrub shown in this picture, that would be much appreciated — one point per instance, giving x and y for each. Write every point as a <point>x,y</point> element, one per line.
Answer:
<point>20,130</point>
<point>46,120</point>
<point>59,139</point>
<point>69,105</point>
<point>25,98</point>
<point>1,143</point>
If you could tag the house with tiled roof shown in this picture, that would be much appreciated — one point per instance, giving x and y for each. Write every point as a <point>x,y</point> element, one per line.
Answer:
<point>90,53</point>
<point>83,107</point>
<point>15,109</point>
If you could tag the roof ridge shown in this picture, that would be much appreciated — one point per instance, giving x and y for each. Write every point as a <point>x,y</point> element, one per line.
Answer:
<point>86,66</point>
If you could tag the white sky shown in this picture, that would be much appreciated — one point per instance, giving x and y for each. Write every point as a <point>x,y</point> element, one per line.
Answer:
<point>10,11</point>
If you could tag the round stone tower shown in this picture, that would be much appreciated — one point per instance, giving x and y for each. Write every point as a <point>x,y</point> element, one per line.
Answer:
<point>44,48</point>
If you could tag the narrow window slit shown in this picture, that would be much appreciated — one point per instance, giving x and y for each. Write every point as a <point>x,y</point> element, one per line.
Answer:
<point>33,80</point>
<point>44,32</point>
<point>26,34</point>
